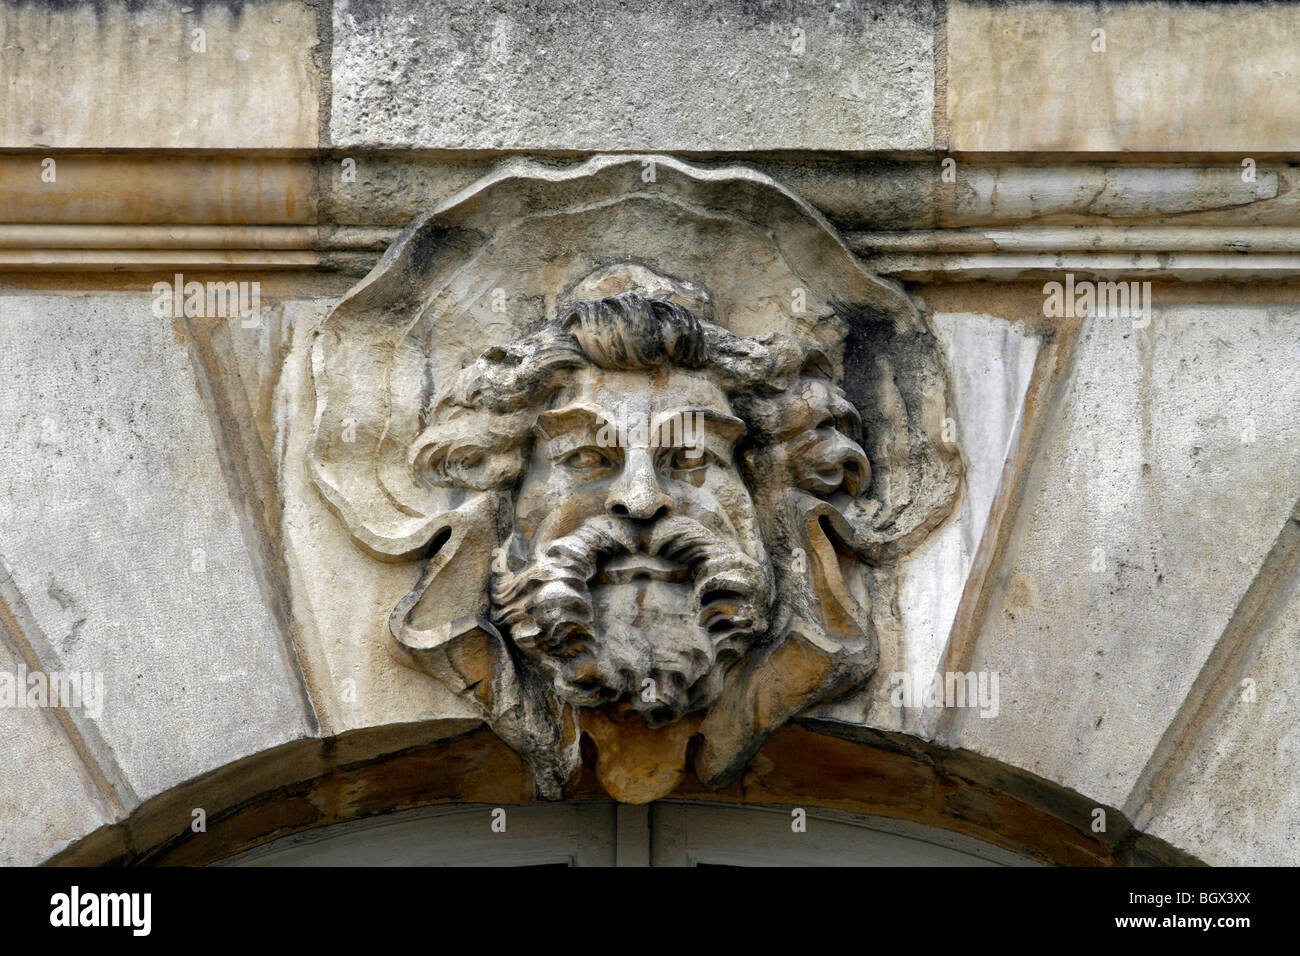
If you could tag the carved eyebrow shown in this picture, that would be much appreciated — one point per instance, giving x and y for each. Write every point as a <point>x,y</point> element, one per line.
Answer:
<point>727,427</point>
<point>551,423</point>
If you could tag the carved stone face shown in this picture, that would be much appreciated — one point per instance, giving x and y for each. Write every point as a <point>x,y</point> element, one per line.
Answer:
<point>814,443</point>
<point>645,574</point>
<point>650,532</point>
<point>646,462</point>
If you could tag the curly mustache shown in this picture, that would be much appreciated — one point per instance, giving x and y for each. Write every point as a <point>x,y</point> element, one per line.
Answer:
<point>547,604</point>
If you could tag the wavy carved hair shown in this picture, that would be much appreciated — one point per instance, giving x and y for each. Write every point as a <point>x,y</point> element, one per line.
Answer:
<point>478,426</point>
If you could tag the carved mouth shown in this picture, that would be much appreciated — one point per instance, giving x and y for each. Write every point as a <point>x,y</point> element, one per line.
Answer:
<point>626,568</point>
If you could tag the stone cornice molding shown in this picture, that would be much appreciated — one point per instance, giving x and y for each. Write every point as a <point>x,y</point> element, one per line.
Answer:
<point>1006,219</point>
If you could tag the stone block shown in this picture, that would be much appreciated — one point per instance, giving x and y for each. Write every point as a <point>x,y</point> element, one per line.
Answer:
<point>717,75</point>
<point>132,75</point>
<point>1122,76</point>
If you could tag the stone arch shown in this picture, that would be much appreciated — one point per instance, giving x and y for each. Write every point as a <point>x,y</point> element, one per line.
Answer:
<point>310,784</point>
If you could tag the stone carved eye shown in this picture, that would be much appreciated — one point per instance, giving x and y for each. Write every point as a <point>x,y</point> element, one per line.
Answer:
<point>476,467</point>
<point>686,464</point>
<point>466,460</point>
<point>586,460</point>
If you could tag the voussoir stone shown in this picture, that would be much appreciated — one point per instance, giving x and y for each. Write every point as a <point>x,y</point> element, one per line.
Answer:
<point>124,543</point>
<point>1153,502</point>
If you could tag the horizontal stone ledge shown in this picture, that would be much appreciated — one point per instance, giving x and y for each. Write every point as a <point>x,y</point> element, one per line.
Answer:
<point>1116,266</point>
<point>387,189</point>
<point>1060,239</point>
<point>1167,253</point>
<point>1021,239</point>
<point>102,236</point>
<point>140,260</point>
<point>158,187</point>
<point>924,192</point>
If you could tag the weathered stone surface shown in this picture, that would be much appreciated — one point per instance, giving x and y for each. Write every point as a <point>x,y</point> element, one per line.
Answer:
<point>127,74</point>
<point>125,544</point>
<point>1158,491</point>
<point>1234,798</point>
<point>46,798</point>
<point>718,75</point>
<point>1172,76</point>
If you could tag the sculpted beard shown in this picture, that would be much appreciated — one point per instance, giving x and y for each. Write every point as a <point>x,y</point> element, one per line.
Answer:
<point>549,610</point>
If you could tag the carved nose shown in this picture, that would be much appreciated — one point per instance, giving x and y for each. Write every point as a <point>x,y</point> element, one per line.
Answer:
<point>637,494</point>
<point>857,469</point>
